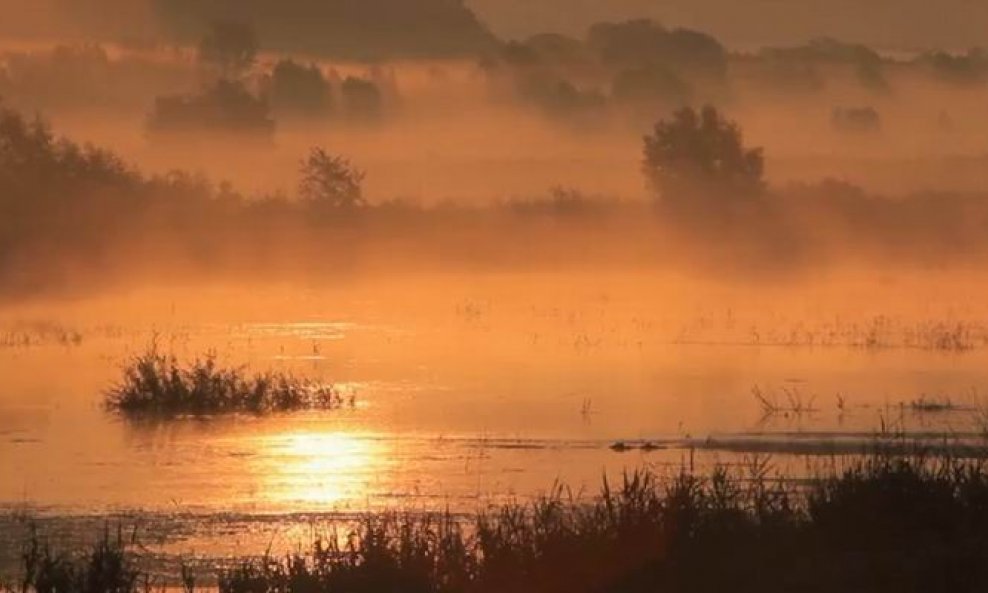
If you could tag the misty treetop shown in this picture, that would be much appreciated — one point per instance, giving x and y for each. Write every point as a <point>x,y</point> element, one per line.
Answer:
<point>224,107</point>
<point>638,43</point>
<point>295,88</point>
<point>700,155</point>
<point>638,65</point>
<point>86,75</point>
<point>66,208</point>
<point>636,71</point>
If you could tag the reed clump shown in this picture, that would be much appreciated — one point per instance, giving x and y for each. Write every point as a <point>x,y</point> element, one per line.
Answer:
<point>106,567</point>
<point>156,384</point>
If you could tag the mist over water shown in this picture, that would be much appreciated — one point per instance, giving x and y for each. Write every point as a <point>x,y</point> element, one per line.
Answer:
<point>512,256</point>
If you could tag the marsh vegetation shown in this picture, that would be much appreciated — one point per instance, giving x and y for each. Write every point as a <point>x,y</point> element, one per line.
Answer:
<point>157,385</point>
<point>863,526</point>
<point>559,254</point>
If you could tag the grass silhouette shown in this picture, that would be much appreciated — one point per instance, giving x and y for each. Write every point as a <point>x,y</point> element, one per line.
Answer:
<point>157,385</point>
<point>885,523</point>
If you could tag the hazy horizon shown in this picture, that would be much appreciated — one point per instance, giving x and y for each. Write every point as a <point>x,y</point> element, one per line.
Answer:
<point>540,296</point>
<point>905,25</point>
<point>908,25</point>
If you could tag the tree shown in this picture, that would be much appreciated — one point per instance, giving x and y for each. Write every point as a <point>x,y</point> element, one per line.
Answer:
<point>696,156</point>
<point>229,46</point>
<point>299,90</point>
<point>362,99</point>
<point>641,43</point>
<point>331,181</point>
<point>225,107</point>
<point>652,87</point>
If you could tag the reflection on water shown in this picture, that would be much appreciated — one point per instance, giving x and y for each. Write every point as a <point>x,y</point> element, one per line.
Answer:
<point>317,468</point>
<point>475,393</point>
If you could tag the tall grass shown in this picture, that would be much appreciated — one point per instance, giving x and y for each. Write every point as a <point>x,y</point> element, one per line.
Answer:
<point>106,567</point>
<point>883,524</point>
<point>155,384</point>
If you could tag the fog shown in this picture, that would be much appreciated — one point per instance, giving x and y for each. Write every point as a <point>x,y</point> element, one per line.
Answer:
<point>499,155</point>
<point>269,266</point>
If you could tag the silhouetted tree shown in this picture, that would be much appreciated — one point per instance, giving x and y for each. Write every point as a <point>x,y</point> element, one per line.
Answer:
<point>230,47</point>
<point>652,87</point>
<point>825,50</point>
<point>701,155</point>
<point>559,98</point>
<point>518,55</point>
<point>297,89</point>
<point>788,75</point>
<point>796,68</point>
<point>560,50</point>
<point>640,43</point>
<point>226,107</point>
<point>969,68</point>
<point>362,99</point>
<point>330,181</point>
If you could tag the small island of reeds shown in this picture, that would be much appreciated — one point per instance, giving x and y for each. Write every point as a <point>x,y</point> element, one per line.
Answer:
<point>158,385</point>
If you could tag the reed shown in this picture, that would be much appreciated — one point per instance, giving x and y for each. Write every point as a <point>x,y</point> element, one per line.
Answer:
<point>155,384</point>
<point>884,523</point>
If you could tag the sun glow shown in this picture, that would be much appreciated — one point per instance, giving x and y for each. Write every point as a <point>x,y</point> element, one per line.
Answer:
<point>320,468</point>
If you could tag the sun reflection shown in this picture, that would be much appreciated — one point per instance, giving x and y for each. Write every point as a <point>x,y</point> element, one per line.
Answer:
<point>320,468</point>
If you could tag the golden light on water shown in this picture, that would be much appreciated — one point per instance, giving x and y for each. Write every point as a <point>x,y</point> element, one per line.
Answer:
<point>319,468</point>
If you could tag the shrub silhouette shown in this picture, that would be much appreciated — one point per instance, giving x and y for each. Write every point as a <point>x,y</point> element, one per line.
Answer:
<point>701,154</point>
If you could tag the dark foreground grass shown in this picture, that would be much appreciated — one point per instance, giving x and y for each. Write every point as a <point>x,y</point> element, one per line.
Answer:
<point>885,524</point>
<point>156,385</point>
